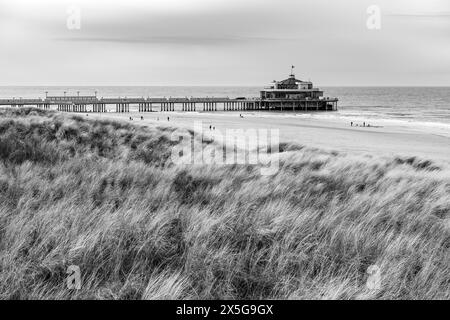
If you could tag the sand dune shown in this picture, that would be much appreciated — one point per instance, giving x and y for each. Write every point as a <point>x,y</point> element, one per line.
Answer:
<point>106,197</point>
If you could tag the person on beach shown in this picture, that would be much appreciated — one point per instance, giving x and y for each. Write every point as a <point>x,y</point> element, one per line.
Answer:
<point>168,119</point>
<point>351,124</point>
<point>209,128</point>
<point>364,124</point>
<point>142,118</point>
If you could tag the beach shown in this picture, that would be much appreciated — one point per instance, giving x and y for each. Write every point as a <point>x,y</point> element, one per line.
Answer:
<point>382,138</point>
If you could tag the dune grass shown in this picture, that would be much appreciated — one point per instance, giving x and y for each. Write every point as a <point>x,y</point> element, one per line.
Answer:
<point>104,196</point>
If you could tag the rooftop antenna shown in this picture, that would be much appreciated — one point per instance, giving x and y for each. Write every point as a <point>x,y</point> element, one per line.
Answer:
<point>46,94</point>
<point>64,93</point>
<point>292,70</point>
<point>78,93</point>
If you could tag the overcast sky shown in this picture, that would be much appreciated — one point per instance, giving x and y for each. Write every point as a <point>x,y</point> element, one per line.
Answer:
<point>224,42</point>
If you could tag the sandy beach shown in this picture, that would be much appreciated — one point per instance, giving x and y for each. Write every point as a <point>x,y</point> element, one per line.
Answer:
<point>383,138</point>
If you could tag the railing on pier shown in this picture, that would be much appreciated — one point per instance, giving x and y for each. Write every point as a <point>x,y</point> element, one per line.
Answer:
<point>122,104</point>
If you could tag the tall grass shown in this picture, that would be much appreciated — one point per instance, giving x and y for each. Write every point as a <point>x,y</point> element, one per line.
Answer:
<point>104,196</point>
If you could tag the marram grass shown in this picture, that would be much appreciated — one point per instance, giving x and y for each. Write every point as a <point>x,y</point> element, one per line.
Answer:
<point>105,196</point>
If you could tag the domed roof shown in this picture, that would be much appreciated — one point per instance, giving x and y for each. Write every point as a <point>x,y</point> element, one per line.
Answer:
<point>289,83</point>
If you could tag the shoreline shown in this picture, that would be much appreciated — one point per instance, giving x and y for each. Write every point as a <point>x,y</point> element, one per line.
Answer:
<point>328,134</point>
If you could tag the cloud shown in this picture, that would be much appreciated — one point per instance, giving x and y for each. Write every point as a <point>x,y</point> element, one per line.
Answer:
<point>422,15</point>
<point>171,40</point>
<point>197,29</point>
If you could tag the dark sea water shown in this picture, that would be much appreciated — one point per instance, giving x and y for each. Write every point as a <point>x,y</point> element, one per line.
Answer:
<point>426,105</point>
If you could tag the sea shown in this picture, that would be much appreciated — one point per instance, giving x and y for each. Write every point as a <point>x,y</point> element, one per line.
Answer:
<point>426,106</point>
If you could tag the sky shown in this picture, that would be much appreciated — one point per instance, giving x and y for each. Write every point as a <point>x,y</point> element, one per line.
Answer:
<point>224,42</point>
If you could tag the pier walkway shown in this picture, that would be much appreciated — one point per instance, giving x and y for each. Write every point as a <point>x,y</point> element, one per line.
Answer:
<point>95,104</point>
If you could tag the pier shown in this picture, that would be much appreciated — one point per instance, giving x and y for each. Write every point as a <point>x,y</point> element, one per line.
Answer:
<point>175,104</point>
<point>287,95</point>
